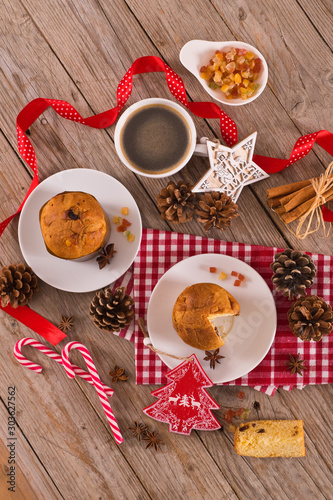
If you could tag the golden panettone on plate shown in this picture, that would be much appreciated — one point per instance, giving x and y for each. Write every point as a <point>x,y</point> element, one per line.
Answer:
<point>195,310</point>
<point>74,225</point>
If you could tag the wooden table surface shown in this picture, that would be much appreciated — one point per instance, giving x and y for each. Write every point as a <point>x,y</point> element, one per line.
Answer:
<point>78,51</point>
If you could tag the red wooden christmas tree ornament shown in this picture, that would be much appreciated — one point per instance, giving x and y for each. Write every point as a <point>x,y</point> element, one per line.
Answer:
<point>184,403</point>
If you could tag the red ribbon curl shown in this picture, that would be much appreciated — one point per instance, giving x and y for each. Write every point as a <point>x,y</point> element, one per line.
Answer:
<point>176,86</point>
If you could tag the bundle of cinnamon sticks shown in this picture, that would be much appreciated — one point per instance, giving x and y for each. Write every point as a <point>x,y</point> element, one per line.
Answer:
<point>293,201</point>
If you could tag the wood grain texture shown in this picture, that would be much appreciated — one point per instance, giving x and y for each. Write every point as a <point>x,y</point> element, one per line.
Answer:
<point>78,51</point>
<point>31,479</point>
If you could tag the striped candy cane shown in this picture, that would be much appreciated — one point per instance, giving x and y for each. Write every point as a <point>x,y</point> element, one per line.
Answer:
<point>96,380</point>
<point>51,354</point>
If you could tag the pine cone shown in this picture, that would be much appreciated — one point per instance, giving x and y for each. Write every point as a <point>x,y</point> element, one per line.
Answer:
<point>216,210</point>
<point>310,318</point>
<point>112,311</point>
<point>176,202</point>
<point>18,283</point>
<point>293,273</point>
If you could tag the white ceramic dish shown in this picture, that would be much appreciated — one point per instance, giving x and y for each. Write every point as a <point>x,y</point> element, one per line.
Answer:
<point>197,53</point>
<point>252,333</point>
<point>69,275</point>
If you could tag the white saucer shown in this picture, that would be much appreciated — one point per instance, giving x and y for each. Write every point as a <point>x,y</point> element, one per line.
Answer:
<point>68,275</point>
<point>252,333</point>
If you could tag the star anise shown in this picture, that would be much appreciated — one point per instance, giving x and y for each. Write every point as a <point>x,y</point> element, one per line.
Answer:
<point>66,324</point>
<point>213,357</point>
<point>295,364</point>
<point>107,253</point>
<point>152,440</point>
<point>138,430</point>
<point>118,374</point>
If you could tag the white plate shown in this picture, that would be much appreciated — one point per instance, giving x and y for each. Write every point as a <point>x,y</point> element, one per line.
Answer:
<point>69,275</point>
<point>253,331</point>
<point>197,53</point>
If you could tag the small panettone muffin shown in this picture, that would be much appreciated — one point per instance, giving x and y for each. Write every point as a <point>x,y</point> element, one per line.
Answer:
<point>270,438</point>
<point>74,225</point>
<point>196,308</point>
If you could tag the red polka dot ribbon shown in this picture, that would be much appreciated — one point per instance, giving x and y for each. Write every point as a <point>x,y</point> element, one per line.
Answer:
<point>176,86</point>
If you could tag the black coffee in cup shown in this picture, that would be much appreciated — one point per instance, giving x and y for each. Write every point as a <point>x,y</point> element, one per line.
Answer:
<point>155,139</point>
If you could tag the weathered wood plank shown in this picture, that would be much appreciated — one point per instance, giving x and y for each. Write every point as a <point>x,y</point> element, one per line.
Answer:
<point>321,15</point>
<point>30,478</point>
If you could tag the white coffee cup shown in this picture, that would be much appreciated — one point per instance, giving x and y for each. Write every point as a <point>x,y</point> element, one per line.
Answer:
<point>199,149</point>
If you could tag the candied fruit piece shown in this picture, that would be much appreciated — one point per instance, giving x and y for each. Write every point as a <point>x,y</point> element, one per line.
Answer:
<point>126,223</point>
<point>241,52</point>
<point>229,415</point>
<point>121,228</point>
<point>127,233</point>
<point>212,269</point>
<point>213,86</point>
<point>257,66</point>
<point>124,210</point>
<point>215,66</point>
<point>203,69</point>
<point>223,276</point>
<point>217,77</point>
<point>249,56</point>
<point>218,58</point>
<point>225,87</point>
<point>237,283</point>
<point>245,414</point>
<point>231,67</point>
<point>245,74</point>
<point>241,395</point>
<point>231,54</point>
<point>241,277</point>
<point>233,273</point>
<point>245,82</point>
<point>131,237</point>
<point>238,78</point>
<point>206,75</point>
<point>239,412</point>
<point>232,428</point>
<point>117,219</point>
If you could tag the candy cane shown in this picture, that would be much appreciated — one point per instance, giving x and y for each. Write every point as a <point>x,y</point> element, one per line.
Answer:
<point>96,380</point>
<point>51,354</point>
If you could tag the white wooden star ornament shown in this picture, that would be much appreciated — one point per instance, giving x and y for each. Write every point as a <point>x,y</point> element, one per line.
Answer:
<point>230,168</point>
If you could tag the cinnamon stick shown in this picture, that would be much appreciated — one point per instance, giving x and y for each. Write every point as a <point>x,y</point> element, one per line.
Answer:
<point>274,202</point>
<point>294,200</point>
<point>304,207</point>
<point>279,210</point>
<point>280,191</point>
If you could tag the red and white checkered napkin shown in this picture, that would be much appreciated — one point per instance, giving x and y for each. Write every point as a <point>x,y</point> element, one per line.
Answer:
<point>160,250</point>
